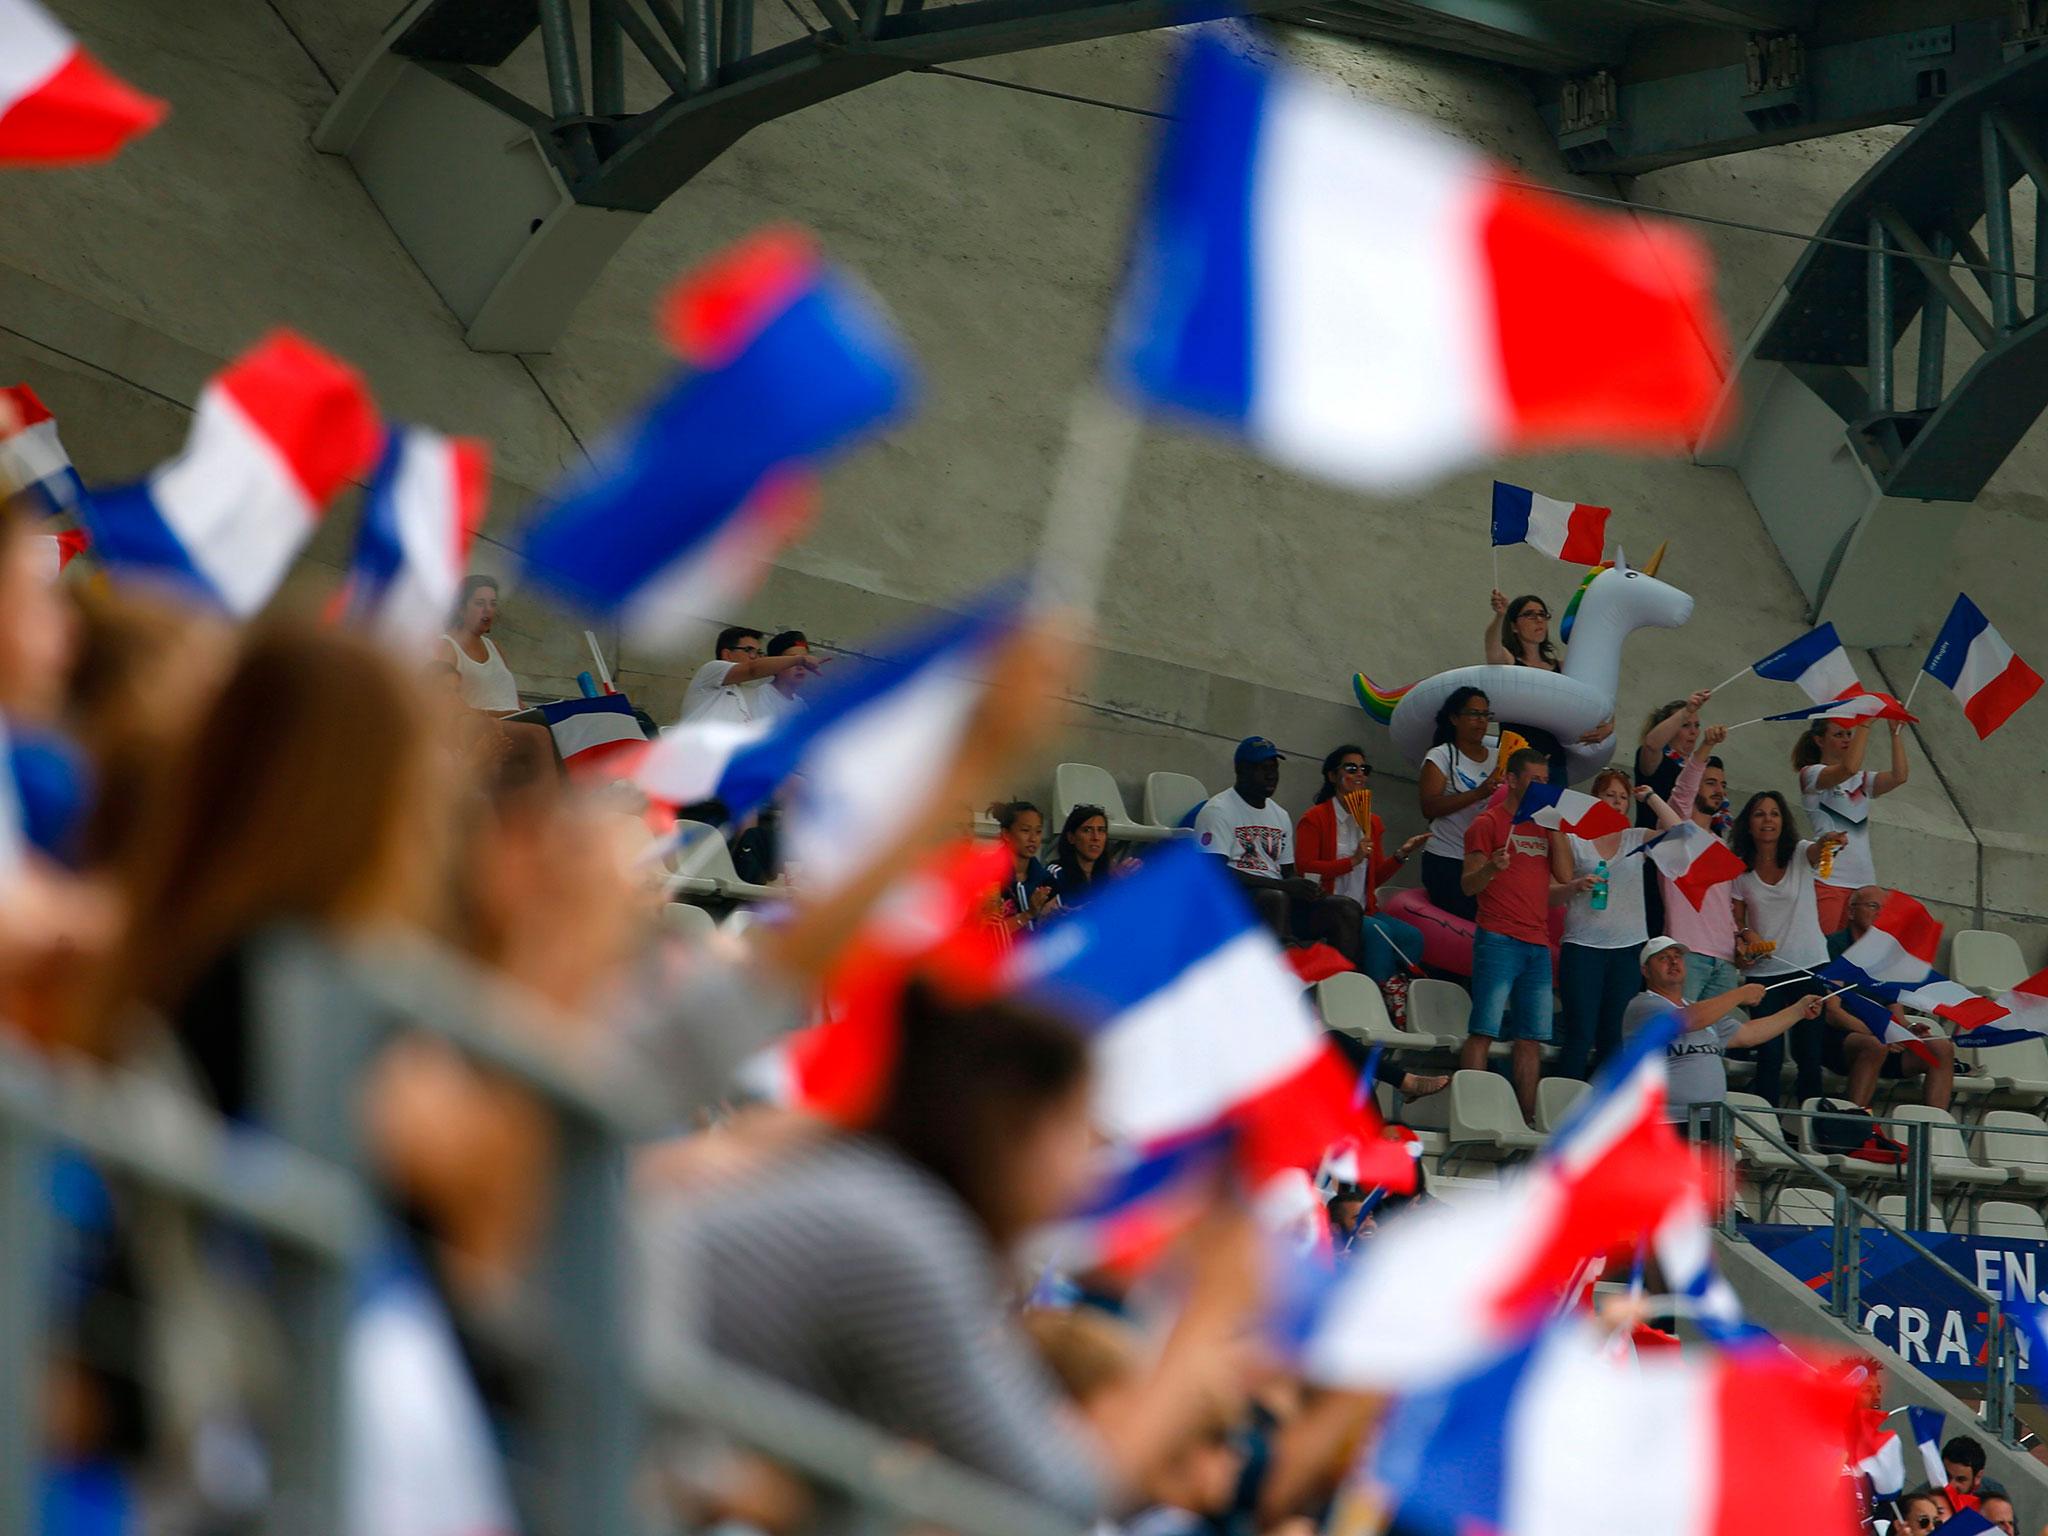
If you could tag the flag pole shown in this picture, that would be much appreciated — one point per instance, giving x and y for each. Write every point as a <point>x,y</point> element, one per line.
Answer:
<point>1087,504</point>
<point>1908,705</point>
<point>1738,677</point>
<point>1738,725</point>
<point>604,673</point>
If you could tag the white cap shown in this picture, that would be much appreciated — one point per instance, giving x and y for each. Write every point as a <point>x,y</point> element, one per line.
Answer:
<point>1658,945</point>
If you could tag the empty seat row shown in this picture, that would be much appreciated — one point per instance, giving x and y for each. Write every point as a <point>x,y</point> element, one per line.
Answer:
<point>1168,799</point>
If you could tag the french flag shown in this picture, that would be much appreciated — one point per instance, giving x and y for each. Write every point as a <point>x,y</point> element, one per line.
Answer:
<point>57,105</point>
<point>33,461</point>
<point>1877,1017</point>
<point>1879,1455</point>
<point>596,738</point>
<point>678,513</point>
<point>1693,860</point>
<point>1898,950</point>
<point>1198,1024</point>
<point>871,744</point>
<point>2021,1014</point>
<point>273,437</point>
<point>1561,1439</point>
<point>1972,660</point>
<point>1566,810</point>
<point>1450,1288</point>
<point>1866,705</point>
<point>1369,302</point>
<point>60,549</point>
<point>425,504</point>
<point>1925,1426</point>
<point>1564,530</point>
<point>1817,662</point>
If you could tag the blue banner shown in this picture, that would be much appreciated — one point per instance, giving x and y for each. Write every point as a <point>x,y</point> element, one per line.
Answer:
<point>1910,1306</point>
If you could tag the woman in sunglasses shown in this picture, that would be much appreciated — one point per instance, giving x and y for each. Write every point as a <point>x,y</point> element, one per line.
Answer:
<point>1341,844</point>
<point>1518,635</point>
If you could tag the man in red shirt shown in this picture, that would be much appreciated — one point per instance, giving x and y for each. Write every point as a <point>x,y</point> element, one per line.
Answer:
<point>1507,867</point>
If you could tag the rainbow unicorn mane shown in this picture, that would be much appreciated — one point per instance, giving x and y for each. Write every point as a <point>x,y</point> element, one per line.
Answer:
<point>1571,609</point>
<point>1374,700</point>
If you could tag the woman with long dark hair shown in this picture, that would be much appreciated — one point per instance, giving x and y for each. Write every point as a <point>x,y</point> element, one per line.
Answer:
<point>1341,844</point>
<point>1519,636</point>
<point>1459,775</point>
<point>1837,791</point>
<point>1081,856</point>
<point>1778,938</point>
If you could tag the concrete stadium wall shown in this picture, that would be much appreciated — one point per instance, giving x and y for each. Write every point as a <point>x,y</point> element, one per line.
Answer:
<point>992,222</point>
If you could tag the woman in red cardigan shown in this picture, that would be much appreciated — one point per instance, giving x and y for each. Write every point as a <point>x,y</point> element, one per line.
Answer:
<point>1347,859</point>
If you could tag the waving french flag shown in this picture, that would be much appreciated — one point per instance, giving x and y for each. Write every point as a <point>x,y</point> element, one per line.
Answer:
<point>1447,1289</point>
<point>1566,810</point>
<point>425,504</point>
<point>60,549</point>
<point>273,437</point>
<point>596,738</point>
<point>1560,1439</point>
<point>2021,1014</point>
<point>1563,530</point>
<point>1694,860</point>
<point>33,461</point>
<point>1898,950</point>
<point>678,513</point>
<point>1817,662</point>
<point>57,105</point>
<point>1879,1454</point>
<point>1369,302</point>
<point>1972,660</point>
<point>1864,705</point>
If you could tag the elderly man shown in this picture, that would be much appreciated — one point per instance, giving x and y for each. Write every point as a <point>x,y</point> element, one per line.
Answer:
<point>1854,1049</point>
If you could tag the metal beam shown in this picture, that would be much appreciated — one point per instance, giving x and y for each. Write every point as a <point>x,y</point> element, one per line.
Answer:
<point>1758,15</point>
<point>1934,267</point>
<point>1538,36</point>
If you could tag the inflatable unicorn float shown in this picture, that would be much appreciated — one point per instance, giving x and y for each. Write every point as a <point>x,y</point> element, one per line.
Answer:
<point>1612,602</point>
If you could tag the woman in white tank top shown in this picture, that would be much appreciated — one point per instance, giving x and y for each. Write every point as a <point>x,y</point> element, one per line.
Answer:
<point>482,677</point>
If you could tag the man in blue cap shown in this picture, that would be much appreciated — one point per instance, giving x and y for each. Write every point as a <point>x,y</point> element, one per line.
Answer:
<point>1249,830</point>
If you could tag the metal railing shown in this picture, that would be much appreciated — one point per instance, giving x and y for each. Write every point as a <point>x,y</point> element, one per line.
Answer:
<point>304,1187</point>
<point>1718,1121</point>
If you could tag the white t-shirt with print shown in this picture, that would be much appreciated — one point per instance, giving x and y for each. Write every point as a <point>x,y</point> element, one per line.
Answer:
<point>1786,914</point>
<point>1845,809</point>
<point>1255,841</point>
<point>711,697</point>
<point>1624,920</point>
<point>1461,777</point>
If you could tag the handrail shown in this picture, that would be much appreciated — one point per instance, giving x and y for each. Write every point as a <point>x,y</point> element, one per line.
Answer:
<point>2002,1343</point>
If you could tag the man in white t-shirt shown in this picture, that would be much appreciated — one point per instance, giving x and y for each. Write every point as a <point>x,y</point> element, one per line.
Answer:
<point>717,691</point>
<point>782,694</point>
<point>1248,829</point>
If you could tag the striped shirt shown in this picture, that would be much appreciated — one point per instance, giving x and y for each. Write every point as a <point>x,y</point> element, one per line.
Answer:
<point>855,1276</point>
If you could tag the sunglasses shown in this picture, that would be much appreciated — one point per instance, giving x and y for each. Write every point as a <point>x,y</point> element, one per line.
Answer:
<point>1363,770</point>
<point>1532,613</point>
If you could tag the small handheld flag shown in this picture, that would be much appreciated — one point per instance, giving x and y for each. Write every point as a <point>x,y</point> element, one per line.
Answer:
<point>425,504</point>
<point>1851,707</point>
<point>1567,810</point>
<point>596,739</point>
<point>1693,860</point>
<point>60,549</point>
<point>33,461</point>
<point>1815,661</point>
<point>1972,660</point>
<point>57,105</point>
<point>1563,530</point>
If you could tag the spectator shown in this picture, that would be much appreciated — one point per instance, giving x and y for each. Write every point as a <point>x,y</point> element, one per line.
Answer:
<point>1707,931</point>
<point>1852,1048</point>
<point>485,681</point>
<point>1507,868</point>
<point>1346,859</point>
<point>1029,892</point>
<point>1918,1511</point>
<point>1696,1068</point>
<point>1944,1509</point>
<point>1519,636</point>
<point>717,690</point>
<point>1459,775</point>
<point>784,693</point>
<point>1964,1459</point>
<point>1670,738</point>
<point>1081,856</point>
<point>1778,938</point>
<point>1255,836</point>
<point>867,1270</point>
<point>1996,1507</point>
<point>1837,791</point>
<point>1598,967</point>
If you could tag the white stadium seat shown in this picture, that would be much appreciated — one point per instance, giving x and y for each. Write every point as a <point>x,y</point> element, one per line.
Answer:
<point>1988,961</point>
<point>1170,796</point>
<point>1085,784</point>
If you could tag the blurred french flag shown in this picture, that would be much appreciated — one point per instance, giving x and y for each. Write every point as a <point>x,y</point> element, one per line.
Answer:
<point>274,436</point>
<point>33,460</point>
<point>1817,662</point>
<point>1369,302</point>
<point>58,106</point>
<point>679,511</point>
<point>425,504</point>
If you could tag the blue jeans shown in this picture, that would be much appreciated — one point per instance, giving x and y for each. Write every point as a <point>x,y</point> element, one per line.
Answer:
<point>1709,976</point>
<point>1511,987</point>
<point>1388,942</point>
<point>1593,986</point>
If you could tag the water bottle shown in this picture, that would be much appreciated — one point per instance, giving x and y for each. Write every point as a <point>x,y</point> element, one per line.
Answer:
<point>1599,891</point>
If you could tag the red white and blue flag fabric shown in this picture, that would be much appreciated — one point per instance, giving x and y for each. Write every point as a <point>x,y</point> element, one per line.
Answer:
<point>60,549</point>
<point>274,436</point>
<point>1567,810</point>
<point>58,106</point>
<point>1559,1438</point>
<point>1925,1425</point>
<point>1197,1023</point>
<point>596,738</point>
<point>425,504</point>
<point>1972,660</point>
<point>1817,662</point>
<point>679,511</point>
<point>421,1459</point>
<point>33,460</point>
<point>862,757</point>
<point>1564,530</point>
<point>1693,860</point>
<point>1367,301</point>
<point>1894,961</point>
<point>1853,707</point>
<point>1879,1454</point>
<point>2009,1018</point>
<point>1448,1289</point>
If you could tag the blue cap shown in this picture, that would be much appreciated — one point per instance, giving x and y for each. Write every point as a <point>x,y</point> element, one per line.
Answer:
<point>1256,749</point>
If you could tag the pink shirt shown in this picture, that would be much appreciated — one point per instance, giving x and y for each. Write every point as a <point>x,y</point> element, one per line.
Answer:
<point>1711,930</point>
